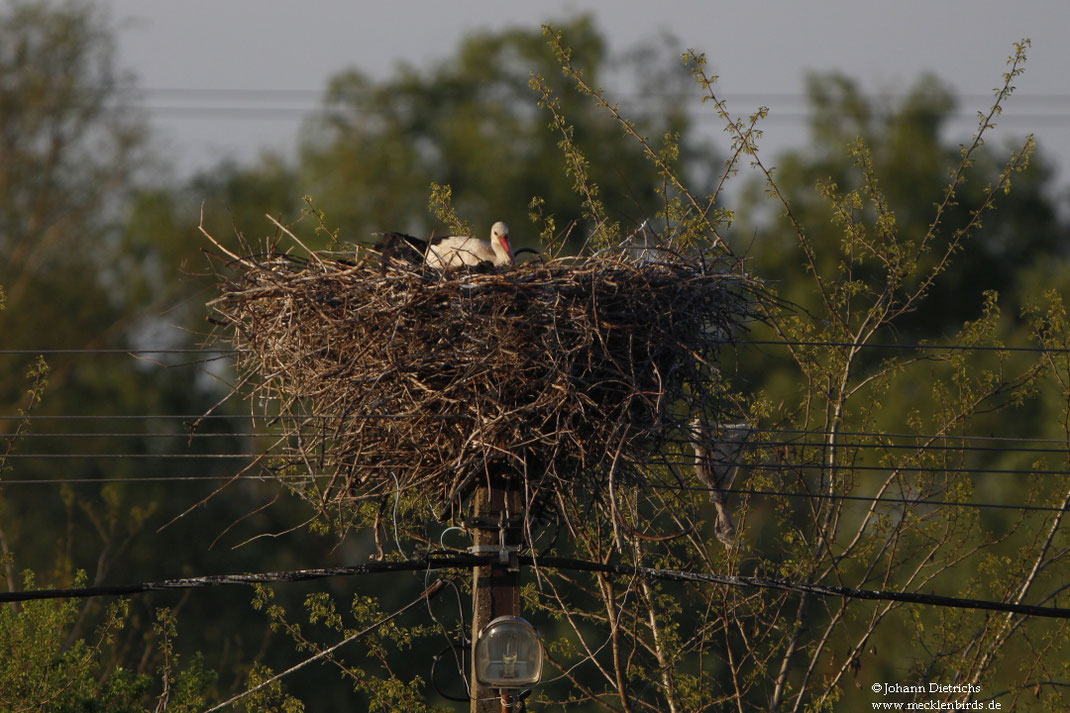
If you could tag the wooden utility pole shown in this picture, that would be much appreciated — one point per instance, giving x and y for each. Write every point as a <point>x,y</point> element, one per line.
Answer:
<point>496,528</point>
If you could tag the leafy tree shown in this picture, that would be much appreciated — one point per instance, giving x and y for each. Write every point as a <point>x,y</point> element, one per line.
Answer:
<point>996,227</point>
<point>864,254</point>
<point>884,248</point>
<point>91,261</point>
<point>43,669</point>
<point>470,123</point>
<point>69,148</point>
<point>906,149</point>
<point>872,238</point>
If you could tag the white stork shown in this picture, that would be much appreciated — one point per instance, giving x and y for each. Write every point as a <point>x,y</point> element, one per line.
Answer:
<point>459,250</point>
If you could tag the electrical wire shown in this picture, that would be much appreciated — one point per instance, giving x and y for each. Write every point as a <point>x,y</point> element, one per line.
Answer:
<point>800,587</point>
<point>287,113</point>
<point>147,479</point>
<point>183,435</point>
<point>909,346</point>
<point>290,104</point>
<point>912,346</point>
<point>136,417</point>
<point>246,579</point>
<point>126,456</point>
<point>189,419</point>
<point>860,498</point>
<point>397,499</point>
<point>848,467</point>
<point>267,477</point>
<point>927,448</point>
<point>116,351</point>
<point>434,679</point>
<point>426,595</point>
<point>193,418</point>
<point>459,561</point>
<point>134,479</point>
<point>313,94</point>
<point>892,434</point>
<point>783,466</point>
<point>763,444</point>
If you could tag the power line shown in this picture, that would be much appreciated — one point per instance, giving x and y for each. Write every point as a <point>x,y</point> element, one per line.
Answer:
<point>298,103</point>
<point>862,445</point>
<point>268,478</point>
<point>275,93</point>
<point>295,103</point>
<point>764,444</point>
<point>429,593</point>
<point>357,416</point>
<point>460,561</point>
<point>861,498</point>
<point>139,417</point>
<point>120,351</point>
<point>909,346</point>
<point>124,417</point>
<point>220,580</point>
<point>128,456</point>
<point>137,479</point>
<point>800,587</point>
<point>838,467</point>
<point>198,417</point>
<point>775,467</point>
<point>893,434</point>
<point>775,116</point>
<point>197,435</point>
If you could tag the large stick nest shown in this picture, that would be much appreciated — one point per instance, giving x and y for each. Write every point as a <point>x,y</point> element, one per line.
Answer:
<point>560,376</point>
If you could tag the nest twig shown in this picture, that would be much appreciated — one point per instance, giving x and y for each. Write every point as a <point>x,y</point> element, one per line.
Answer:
<point>559,374</point>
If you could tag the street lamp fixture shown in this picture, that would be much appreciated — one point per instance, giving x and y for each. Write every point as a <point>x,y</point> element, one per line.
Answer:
<point>508,654</point>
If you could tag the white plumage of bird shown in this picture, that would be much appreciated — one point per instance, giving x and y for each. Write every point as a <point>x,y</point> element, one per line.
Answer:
<point>458,250</point>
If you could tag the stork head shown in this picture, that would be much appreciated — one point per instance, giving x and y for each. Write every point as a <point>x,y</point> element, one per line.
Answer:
<point>499,239</point>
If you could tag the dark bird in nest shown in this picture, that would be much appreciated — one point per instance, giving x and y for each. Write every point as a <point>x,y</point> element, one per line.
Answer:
<point>401,247</point>
<point>449,251</point>
<point>717,459</point>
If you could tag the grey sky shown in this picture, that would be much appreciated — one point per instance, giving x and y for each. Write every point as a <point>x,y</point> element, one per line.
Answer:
<point>761,50</point>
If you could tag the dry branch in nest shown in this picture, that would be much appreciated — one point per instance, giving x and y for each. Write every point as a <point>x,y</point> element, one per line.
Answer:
<point>560,377</point>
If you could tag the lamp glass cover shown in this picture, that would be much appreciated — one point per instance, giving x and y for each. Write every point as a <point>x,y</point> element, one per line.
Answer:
<point>508,654</point>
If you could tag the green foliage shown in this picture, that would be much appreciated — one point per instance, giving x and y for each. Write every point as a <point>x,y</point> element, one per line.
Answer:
<point>37,379</point>
<point>885,261</point>
<point>68,147</point>
<point>468,123</point>
<point>269,695</point>
<point>934,234</point>
<point>862,509</point>
<point>42,668</point>
<point>441,206</point>
<point>369,646</point>
<point>880,231</point>
<point>98,253</point>
<point>877,253</point>
<point>577,168</point>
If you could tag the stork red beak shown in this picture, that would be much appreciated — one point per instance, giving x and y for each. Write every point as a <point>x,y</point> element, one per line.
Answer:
<point>504,240</point>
